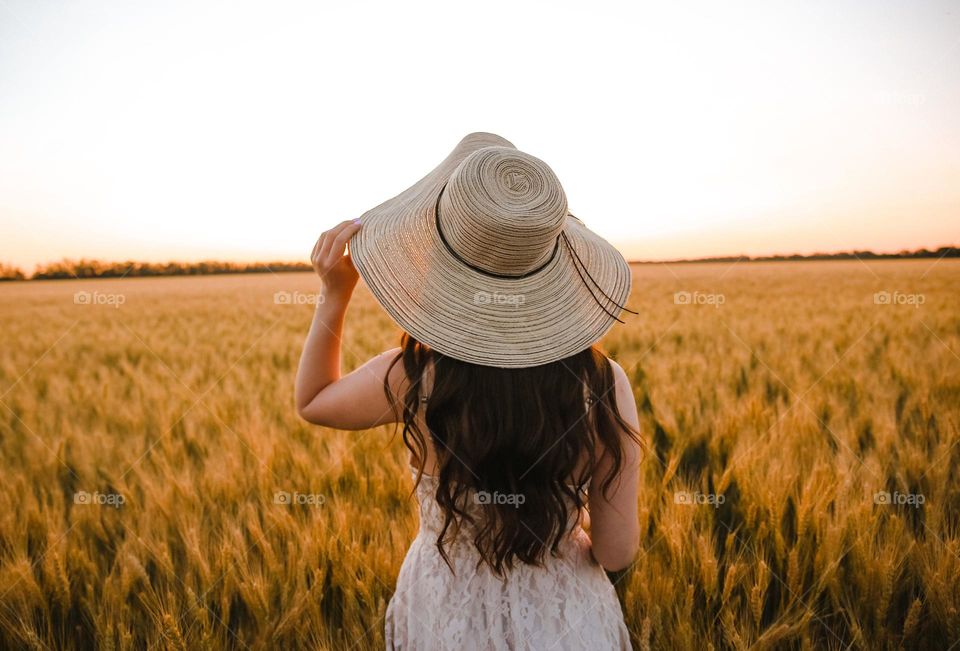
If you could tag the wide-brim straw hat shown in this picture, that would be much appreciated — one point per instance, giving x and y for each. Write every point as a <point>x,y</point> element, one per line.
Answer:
<point>482,261</point>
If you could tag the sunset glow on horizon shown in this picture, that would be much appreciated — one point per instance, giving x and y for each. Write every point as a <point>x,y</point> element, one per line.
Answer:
<point>240,131</point>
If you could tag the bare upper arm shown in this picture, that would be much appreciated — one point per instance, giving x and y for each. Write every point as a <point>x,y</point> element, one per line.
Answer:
<point>615,530</point>
<point>357,400</point>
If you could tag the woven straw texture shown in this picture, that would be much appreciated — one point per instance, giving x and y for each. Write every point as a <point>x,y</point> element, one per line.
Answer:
<point>490,280</point>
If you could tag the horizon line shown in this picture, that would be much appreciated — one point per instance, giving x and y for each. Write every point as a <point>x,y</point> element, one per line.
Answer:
<point>66,268</point>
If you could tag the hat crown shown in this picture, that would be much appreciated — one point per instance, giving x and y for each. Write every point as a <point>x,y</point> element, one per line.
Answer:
<point>502,211</point>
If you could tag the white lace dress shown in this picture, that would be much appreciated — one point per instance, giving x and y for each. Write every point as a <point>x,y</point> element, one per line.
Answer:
<point>568,604</point>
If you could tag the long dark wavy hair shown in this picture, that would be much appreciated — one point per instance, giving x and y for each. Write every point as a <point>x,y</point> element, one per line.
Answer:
<point>522,431</point>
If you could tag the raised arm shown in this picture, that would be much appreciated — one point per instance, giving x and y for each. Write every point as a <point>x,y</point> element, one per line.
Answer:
<point>323,397</point>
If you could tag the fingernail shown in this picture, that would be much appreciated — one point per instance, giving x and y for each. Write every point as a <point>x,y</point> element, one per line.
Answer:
<point>356,221</point>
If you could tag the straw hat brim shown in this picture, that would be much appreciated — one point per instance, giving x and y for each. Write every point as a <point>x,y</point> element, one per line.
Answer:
<point>472,316</point>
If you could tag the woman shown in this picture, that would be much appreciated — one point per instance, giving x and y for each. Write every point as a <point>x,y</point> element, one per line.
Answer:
<point>518,427</point>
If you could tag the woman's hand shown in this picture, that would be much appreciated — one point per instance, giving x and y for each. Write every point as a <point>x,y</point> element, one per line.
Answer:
<point>319,369</point>
<point>334,268</point>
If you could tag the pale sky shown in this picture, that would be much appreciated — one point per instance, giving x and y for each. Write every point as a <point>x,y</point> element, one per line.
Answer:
<point>229,130</point>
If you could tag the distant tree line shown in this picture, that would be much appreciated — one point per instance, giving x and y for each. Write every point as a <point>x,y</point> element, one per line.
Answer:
<point>66,269</point>
<point>8,272</point>
<point>942,252</point>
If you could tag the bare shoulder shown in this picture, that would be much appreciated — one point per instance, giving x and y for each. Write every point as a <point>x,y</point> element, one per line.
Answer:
<point>386,359</point>
<point>626,404</point>
<point>389,365</point>
<point>619,375</point>
<point>621,381</point>
<point>390,354</point>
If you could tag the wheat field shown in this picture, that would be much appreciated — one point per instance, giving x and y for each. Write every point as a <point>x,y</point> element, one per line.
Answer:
<point>800,489</point>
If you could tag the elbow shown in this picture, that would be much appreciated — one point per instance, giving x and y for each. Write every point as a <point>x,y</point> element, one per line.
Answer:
<point>317,413</point>
<point>304,415</point>
<point>618,556</point>
<point>318,419</point>
<point>617,561</point>
<point>302,404</point>
<point>310,414</point>
<point>315,409</point>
